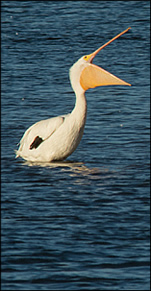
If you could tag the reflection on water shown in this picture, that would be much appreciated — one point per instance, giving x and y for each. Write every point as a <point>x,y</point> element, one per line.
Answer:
<point>75,169</point>
<point>71,166</point>
<point>54,164</point>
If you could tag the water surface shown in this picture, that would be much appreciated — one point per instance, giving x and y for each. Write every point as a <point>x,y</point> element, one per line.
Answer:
<point>82,224</point>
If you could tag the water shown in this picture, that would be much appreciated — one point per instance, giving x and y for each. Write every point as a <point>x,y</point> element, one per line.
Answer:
<point>82,224</point>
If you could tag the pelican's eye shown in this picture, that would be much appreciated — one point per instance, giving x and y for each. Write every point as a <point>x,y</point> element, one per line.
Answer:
<point>85,58</point>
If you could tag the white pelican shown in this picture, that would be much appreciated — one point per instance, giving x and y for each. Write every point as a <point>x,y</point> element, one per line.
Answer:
<point>56,138</point>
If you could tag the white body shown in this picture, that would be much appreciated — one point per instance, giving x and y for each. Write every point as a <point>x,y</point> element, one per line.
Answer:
<point>61,135</point>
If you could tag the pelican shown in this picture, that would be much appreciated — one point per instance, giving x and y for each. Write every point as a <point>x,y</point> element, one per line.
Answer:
<point>56,138</point>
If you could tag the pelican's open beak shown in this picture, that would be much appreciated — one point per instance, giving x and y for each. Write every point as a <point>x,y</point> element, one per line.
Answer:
<point>93,76</point>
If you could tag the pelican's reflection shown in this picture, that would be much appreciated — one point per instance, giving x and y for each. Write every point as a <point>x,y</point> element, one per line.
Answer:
<point>73,167</point>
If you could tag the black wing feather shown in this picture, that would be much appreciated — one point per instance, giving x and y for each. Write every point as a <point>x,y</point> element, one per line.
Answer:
<point>35,144</point>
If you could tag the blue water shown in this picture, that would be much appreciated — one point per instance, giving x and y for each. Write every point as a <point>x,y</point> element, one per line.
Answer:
<point>82,224</point>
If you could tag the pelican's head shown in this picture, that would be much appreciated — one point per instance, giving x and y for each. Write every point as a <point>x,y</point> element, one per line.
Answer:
<point>85,75</point>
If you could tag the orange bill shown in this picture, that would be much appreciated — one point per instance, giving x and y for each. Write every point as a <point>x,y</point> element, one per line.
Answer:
<point>107,43</point>
<point>93,76</point>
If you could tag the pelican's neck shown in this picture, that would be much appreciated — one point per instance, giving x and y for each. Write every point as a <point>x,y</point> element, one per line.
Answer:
<point>80,109</point>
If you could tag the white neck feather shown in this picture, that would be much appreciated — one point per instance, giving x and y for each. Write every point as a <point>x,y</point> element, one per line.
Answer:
<point>80,108</point>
